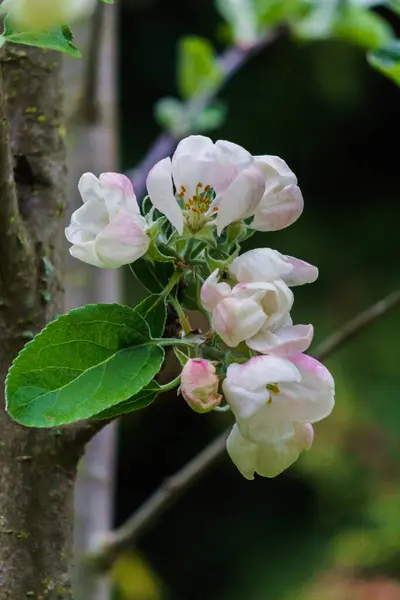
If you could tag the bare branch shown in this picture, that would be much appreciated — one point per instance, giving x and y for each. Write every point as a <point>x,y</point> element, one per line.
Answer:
<point>147,514</point>
<point>164,145</point>
<point>356,325</point>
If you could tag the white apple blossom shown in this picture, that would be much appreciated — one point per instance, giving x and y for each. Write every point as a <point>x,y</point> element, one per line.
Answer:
<point>268,460</point>
<point>108,230</point>
<point>42,15</point>
<point>268,395</point>
<point>199,385</point>
<point>222,183</point>
<point>257,309</point>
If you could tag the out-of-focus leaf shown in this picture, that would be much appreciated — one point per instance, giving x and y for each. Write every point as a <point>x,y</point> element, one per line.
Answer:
<point>363,28</point>
<point>387,60</point>
<point>319,22</point>
<point>210,118</point>
<point>198,69</point>
<point>242,17</point>
<point>134,579</point>
<point>270,12</point>
<point>170,114</point>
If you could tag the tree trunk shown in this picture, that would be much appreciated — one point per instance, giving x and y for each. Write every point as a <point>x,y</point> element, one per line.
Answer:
<point>37,467</point>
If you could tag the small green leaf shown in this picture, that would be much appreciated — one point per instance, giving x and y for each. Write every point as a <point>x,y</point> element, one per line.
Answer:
<point>271,12</point>
<point>198,69</point>
<point>387,60</point>
<point>83,363</point>
<point>152,276</point>
<point>210,118</point>
<point>362,27</point>
<point>242,17</point>
<point>154,310</point>
<point>58,39</point>
<point>170,113</point>
<point>191,293</point>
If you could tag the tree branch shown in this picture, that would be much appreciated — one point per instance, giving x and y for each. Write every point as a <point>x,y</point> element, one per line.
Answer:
<point>147,514</point>
<point>164,145</point>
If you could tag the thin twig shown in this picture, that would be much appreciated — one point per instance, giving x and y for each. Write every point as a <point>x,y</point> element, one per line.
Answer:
<point>148,513</point>
<point>231,61</point>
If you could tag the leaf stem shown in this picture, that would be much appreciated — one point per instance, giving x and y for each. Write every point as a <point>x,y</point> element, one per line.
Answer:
<point>168,386</point>
<point>184,321</point>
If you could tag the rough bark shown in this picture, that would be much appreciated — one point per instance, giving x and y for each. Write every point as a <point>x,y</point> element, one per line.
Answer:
<point>37,467</point>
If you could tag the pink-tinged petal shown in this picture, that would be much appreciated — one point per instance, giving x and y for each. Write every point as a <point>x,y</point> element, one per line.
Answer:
<point>123,241</point>
<point>161,192</point>
<point>301,273</point>
<point>260,265</point>
<point>199,385</point>
<point>286,342</point>
<point>268,425</point>
<point>213,292</point>
<point>89,187</point>
<point>235,319</point>
<point>277,173</point>
<point>229,153</point>
<point>278,209</point>
<point>277,305</point>
<point>313,398</point>
<point>241,198</point>
<point>118,194</point>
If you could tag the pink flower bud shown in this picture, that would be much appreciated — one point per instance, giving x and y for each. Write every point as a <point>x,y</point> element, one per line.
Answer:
<point>199,385</point>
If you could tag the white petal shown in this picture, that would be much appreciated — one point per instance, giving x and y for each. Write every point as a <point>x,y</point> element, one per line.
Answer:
<point>118,194</point>
<point>89,187</point>
<point>272,459</point>
<point>87,221</point>
<point>260,264</point>
<point>86,252</point>
<point>213,292</point>
<point>277,305</point>
<point>285,342</point>
<point>232,154</point>
<point>195,162</point>
<point>241,198</point>
<point>123,241</point>
<point>276,172</point>
<point>236,319</point>
<point>301,273</point>
<point>242,453</point>
<point>267,425</point>
<point>259,371</point>
<point>161,192</point>
<point>278,209</point>
<point>311,399</point>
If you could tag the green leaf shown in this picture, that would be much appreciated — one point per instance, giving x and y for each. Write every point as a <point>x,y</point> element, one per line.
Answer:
<point>83,363</point>
<point>198,69</point>
<point>143,399</point>
<point>362,27</point>
<point>152,276</point>
<point>181,356</point>
<point>387,60</point>
<point>191,292</point>
<point>154,310</point>
<point>58,39</point>
<point>242,17</point>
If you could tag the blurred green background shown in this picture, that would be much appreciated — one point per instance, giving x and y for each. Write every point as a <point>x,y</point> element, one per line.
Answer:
<point>329,527</point>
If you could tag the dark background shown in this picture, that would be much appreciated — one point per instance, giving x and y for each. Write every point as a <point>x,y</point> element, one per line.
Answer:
<point>329,528</point>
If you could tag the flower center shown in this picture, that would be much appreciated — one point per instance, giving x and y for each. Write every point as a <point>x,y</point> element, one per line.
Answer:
<point>197,205</point>
<point>274,389</point>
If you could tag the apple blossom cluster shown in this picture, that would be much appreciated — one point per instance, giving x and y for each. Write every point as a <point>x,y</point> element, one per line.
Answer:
<point>202,205</point>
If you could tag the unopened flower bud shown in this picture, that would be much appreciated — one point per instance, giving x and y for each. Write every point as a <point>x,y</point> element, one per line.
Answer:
<point>199,385</point>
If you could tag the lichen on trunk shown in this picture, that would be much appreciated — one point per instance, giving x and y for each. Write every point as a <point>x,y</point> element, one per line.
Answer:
<point>37,467</point>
